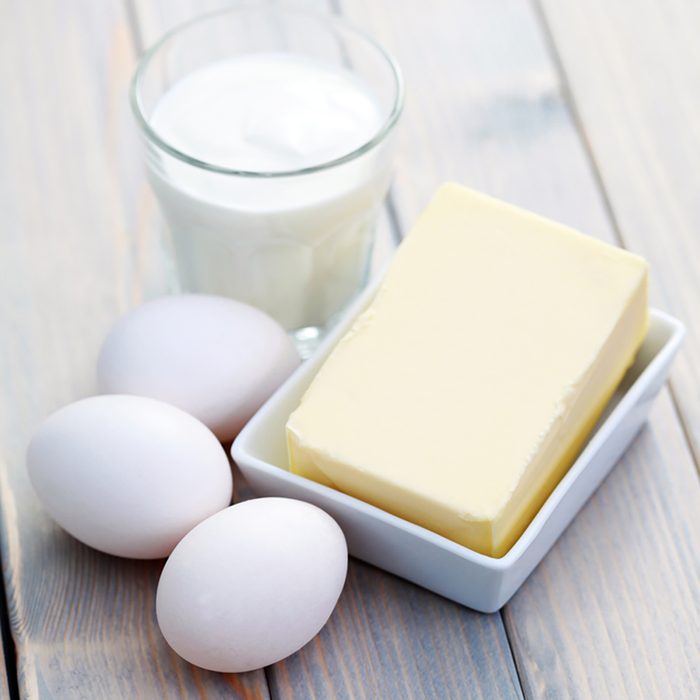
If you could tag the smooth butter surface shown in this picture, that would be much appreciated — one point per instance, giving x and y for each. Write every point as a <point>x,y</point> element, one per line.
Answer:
<point>464,392</point>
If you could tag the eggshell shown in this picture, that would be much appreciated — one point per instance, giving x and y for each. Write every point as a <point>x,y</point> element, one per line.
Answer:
<point>252,584</point>
<point>216,358</point>
<point>128,475</point>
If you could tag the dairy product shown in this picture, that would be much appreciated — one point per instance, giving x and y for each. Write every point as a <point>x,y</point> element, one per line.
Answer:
<point>462,395</point>
<point>295,246</point>
<point>268,112</point>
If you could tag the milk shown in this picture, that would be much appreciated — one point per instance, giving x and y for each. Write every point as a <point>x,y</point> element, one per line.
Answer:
<point>295,245</point>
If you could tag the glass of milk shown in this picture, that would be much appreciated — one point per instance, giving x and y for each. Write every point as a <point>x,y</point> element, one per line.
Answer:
<point>269,135</point>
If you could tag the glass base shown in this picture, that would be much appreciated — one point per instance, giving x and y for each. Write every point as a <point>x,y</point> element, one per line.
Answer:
<point>307,339</point>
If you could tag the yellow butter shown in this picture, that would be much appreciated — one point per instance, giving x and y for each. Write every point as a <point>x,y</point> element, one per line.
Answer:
<point>462,395</point>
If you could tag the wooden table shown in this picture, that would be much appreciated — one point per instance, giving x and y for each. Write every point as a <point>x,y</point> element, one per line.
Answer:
<point>587,111</point>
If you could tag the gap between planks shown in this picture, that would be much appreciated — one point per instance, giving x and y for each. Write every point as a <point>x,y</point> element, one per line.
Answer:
<point>636,96</point>
<point>596,170</point>
<point>8,681</point>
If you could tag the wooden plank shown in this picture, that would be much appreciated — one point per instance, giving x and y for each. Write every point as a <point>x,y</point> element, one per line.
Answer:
<point>71,261</point>
<point>387,638</point>
<point>8,670</point>
<point>614,606</point>
<point>624,622</point>
<point>7,665</point>
<point>391,639</point>
<point>636,96</point>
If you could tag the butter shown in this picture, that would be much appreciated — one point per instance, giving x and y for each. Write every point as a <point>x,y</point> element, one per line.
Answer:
<point>462,395</point>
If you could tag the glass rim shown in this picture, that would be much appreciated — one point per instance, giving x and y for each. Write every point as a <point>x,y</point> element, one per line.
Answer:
<point>145,61</point>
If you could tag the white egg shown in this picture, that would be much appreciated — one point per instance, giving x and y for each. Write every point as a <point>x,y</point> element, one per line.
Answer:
<point>215,358</point>
<point>128,475</point>
<point>252,584</point>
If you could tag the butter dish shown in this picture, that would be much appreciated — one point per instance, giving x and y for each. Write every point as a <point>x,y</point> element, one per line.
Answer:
<point>417,554</point>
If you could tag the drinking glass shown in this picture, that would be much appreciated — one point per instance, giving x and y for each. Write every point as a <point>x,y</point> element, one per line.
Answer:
<point>295,243</point>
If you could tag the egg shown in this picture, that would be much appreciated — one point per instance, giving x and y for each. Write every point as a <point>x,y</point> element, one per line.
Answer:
<point>252,584</point>
<point>128,475</point>
<point>216,358</point>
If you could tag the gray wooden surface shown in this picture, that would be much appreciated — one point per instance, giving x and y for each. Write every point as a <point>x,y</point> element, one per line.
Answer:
<point>584,111</point>
<point>4,676</point>
<point>637,96</point>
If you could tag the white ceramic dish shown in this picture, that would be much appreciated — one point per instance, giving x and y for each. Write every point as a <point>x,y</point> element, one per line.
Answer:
<point>414,553</point>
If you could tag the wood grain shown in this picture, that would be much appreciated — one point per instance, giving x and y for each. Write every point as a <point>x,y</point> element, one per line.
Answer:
<point>8,675</point>
<point>613,609</point>
<point>4,667</point>
<point>636,96</point>
<point>70,262</point>
<point>391,639</point>
<point>622,620</point>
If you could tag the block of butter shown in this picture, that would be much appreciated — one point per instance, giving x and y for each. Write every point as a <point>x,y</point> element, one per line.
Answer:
<point>464,392</point>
